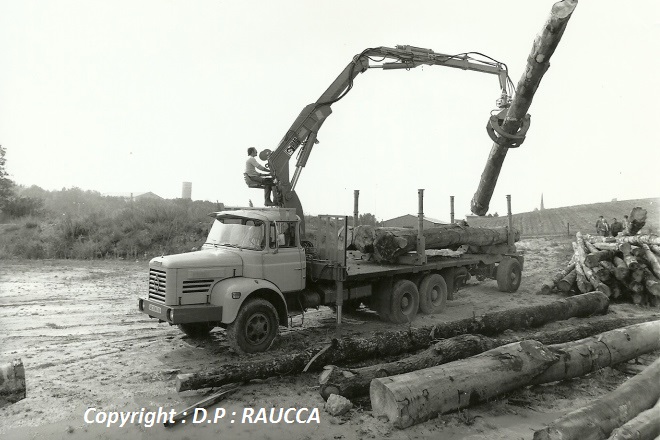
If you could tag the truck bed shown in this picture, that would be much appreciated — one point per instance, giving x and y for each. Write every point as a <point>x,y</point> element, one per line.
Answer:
<point>359,268</point>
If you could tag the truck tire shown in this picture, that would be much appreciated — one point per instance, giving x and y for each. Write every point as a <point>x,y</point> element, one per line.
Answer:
<point>196,330</point>
<point>254,328</point>
<point>509,274</point>
<point>404,302</point>
<point>432,294</point>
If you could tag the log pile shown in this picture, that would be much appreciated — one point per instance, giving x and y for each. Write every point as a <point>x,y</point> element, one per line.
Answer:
<point>625,268</point>
<point>414,397</point>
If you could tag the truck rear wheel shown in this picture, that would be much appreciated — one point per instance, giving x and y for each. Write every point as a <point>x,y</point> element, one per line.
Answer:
<point>509,274</point>
<point>432,294</point>
<point>254,328</point>
<point>404,302</point>
<point>196,330</point>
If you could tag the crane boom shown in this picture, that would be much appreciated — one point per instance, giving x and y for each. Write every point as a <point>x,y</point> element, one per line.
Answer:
<point>302,135</point>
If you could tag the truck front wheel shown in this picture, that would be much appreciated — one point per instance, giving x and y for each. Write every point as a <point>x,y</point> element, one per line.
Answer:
<point>254,328</point>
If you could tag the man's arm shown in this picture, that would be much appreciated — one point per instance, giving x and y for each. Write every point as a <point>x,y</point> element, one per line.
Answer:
<point>253,161</point>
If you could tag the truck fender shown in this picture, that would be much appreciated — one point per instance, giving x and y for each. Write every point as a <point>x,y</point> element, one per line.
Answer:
<point>231,293</point>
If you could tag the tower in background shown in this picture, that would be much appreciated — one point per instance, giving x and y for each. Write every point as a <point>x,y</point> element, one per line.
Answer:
<point>542,207</point>
<point>186,190</point>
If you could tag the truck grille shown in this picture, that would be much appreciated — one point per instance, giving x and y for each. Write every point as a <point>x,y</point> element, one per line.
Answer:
<point>196,286</point>
<point>157,285</point>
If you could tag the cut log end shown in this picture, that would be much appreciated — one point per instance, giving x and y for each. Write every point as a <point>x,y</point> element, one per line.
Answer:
<point>564,8</point>
<point>383,403</point>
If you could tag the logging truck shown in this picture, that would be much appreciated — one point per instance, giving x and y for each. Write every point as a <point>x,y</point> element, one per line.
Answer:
<point>256,269</point>
<point>255,272</point>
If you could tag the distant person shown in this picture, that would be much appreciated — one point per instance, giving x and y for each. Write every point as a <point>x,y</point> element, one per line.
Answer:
<point>615,227</point>
<point>624,223</point>
<point>252,175</point>
<point>605,228</point>
<point>600,227</point>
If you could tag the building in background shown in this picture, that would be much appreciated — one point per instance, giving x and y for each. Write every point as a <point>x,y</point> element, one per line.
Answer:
<point>411,221</point>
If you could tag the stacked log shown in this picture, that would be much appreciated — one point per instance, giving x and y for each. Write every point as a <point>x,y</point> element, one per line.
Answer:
<point>387,244</point>
<point>625,268</point>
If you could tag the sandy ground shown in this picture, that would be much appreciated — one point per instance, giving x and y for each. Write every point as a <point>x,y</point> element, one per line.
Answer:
<point>76,326</point>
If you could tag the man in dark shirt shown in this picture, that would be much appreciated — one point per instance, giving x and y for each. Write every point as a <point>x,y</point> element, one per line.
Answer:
<point>616,227</point>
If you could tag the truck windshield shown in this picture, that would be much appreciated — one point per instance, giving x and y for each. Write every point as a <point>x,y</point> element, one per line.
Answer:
<point>236,232</point>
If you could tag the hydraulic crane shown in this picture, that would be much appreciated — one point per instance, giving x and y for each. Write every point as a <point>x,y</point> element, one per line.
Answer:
<point>302,135</point>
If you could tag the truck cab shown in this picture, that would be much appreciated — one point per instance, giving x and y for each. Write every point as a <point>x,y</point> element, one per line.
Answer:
<point>238,280</point>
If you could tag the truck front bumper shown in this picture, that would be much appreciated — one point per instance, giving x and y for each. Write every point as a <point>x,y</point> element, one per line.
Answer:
<point>180,314</point>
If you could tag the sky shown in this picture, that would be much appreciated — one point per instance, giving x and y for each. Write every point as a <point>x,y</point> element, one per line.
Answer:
<point>135,96</point>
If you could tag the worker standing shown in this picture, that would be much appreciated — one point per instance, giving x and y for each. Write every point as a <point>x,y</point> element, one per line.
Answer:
<point>252,175</point>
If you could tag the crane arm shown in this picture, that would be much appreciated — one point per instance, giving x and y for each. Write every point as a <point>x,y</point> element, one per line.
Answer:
<point>302,135</point>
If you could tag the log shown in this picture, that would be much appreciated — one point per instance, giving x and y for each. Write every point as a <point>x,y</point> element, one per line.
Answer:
<point>655,248</point>
<point>652,259</point>
<point>607,246</point>
<point>603,275</point>
<point>581,279</point>
<point>645,426</point>
<point>394,342</point>
<point>595,282</point>
<point>597,420</point>
<point>363,238</point>
<point>391,243</point>
<point>415,397</point>
<point>578,358</point>
<point>637,275</point>
<point>651,283</point>
<point>636,221</point>
<point>593,259</point>
<point>354,382</point>
<point>12,382</point>
<point>649,239</point>
<point>538,63</point>
<point>550,284</point>
<point>566,283</point>
<point>621,272</point>
<point>595,239</point>
<point>590,247</point>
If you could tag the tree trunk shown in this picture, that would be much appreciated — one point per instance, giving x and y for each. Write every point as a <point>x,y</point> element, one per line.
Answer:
<point>394,342</point>
<point>390,243</point>
<point>590,247</point>
<point>12,382</point>
<point>581,279</point>
<point>550,284</point>
<point>597,420</point>
<point>578,358</point>
<point>595,282</point>
<point>636,221</point>
<point>652,259</point>
<point>566,283</point>
<point>603,275</point>
<point>646,426</point>
<point>415,397</point>
<point>594,258</point>
<point>621,272</point>
<point>640,239</point>
<point>354,382</point>
<point>652,283</point>
<point>538,63</point>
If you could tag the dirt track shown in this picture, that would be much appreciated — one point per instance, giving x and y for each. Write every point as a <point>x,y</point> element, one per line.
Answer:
<point>76,327</point>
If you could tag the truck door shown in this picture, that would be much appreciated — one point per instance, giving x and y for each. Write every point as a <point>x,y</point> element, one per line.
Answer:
<point>284,264</point>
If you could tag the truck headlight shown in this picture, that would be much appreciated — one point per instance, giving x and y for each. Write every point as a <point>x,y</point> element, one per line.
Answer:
<point>170,315</point>
<point>235,295</point>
